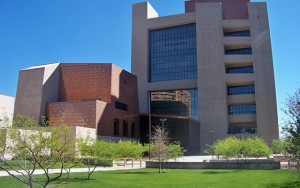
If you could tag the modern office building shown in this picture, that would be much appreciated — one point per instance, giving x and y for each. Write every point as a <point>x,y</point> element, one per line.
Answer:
<point>7,104</point>
<point>208,71</point>
<point>98,96</point>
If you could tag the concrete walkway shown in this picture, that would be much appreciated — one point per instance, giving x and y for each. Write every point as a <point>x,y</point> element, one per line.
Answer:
<point>53,171</point>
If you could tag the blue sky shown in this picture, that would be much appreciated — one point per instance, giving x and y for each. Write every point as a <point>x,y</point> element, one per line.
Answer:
<point>34,32</point>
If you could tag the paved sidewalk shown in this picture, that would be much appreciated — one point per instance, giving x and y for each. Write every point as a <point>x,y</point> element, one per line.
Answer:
<point>53,171</point>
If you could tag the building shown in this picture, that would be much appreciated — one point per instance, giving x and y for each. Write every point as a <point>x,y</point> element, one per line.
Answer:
<point>219,54</point>
<point>98,96</point>
<point>7,104</point>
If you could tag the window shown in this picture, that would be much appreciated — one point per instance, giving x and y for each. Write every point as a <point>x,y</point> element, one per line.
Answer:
<point>242,130</point>
<point>173,53</point>
<point>242,109</point>
<point>121,106</point>
<point>238,51</point>
<point>125,128</point>
<point>132,129</point>
<point>175,102</point>
<point>116,127</point>
<point>243,33</point>
<point>239,70</point>
<point>240,90</point>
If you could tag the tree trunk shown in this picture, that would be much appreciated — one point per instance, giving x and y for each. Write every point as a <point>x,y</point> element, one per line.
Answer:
<point>140,162</point>
<point>159,166</point>
<point>125,162</point>
<point>132,162</point>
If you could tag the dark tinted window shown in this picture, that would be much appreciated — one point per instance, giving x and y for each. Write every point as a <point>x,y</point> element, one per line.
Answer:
<point>173,53</point>
<point>239,70</point>
<point>242,109</point>
<point>125,128</point>
<point>241,90</point>
<point>245,33</point>
<point>239,51</point>
<point>121,106</point>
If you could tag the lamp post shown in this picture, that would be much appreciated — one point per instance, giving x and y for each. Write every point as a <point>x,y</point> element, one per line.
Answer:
<point>163,120</point>
<point>212,141</point>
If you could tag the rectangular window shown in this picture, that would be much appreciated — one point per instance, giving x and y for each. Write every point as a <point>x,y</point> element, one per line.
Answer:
<point>132,129</point>
<point>173,53</point>
<point>240,70</point>
<point>116,127</point>
<point>242,130</point>
<point>241,90</point>
<point>238,51</point>
<point>242,109</point>
<point>125,128</point>
<point>121,106</point>
<point>243,33</point>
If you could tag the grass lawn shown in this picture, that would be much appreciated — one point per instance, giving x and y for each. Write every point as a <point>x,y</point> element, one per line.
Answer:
<point>176,178</point>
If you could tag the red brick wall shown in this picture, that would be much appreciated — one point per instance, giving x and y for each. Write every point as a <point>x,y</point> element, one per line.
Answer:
<point>85,82</point>
<point>81,114</point>
<point>232,9</point>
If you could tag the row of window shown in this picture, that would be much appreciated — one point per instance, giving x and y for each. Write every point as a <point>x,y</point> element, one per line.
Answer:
<point>242,109</point>
<point>242,130</point>
<point>241,90</point>
<point>242,33</point>
<point>125,128</point>
<point>240,70</point>
<point>239,51</point>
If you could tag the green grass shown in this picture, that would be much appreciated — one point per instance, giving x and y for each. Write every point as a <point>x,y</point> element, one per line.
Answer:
<point>177,178</point>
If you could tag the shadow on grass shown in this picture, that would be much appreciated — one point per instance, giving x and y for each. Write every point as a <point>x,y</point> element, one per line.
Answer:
<point>215,172</point>
<point>135,172</point>
<point>294,184</point>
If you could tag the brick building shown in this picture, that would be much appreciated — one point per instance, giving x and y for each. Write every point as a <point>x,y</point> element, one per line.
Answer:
<point>99,96</point>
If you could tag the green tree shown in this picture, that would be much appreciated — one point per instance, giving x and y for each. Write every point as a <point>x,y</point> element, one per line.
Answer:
<point>96,153</point>
<point>280,146</point>
<point>175,151</point>
<point>291,128</point>
<point>33,146</point>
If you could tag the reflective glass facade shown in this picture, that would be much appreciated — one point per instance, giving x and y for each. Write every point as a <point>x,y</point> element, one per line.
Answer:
<point>239,51</point>
<point>240,90</point>
<point>239,70</point>
<point>173,53</point>
<point>242,109</point>
<point>175,102</point>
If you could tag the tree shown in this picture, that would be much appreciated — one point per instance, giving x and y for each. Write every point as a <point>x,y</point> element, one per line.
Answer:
<point>291,128</point>
<point>33,146</point>
<point>96,153</point>
<point>159,145</point>
<point>175,151</point>
<point>280,146</point>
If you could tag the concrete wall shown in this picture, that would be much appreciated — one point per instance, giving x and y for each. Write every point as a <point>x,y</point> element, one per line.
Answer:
<point>36,86</point>
<point>265,97</point>
<point>211,73</point>
<point>217,165</point>
<point>231,9</point>
<point>7,104</point>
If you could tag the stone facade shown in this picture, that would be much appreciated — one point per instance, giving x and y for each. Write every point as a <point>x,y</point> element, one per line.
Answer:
<point>214,19</point>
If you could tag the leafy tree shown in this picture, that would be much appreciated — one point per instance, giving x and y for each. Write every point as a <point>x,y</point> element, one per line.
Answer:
<point>97,153</point>
<point>159,145</point>
<point>33,146</point>
<point>280,146</point>
<point>291,128</point>
<point>256,147</point>
<point>175,151</point>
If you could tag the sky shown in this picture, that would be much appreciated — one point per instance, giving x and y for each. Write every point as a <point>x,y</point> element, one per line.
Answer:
<point>35,32</point>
